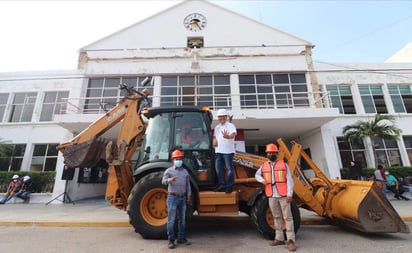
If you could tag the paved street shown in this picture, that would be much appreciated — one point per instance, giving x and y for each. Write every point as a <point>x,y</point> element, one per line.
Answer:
<point>93,226</point>
<point>237,235</point>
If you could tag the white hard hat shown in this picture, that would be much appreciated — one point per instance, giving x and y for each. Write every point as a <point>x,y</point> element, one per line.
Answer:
<point>15,177</point>
<point>26,178</point>
<point>386,172</point>
<point>222,112</point>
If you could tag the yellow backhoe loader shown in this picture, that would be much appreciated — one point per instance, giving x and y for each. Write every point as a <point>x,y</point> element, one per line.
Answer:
<point>152,133</point>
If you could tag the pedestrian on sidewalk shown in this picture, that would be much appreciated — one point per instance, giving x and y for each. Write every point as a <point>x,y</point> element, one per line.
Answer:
<point>26,189</point>
<point>379,176</point>
<point>179,193</point>
<point>13,188</point>
<point>275,175</point>
<point>356,172</point>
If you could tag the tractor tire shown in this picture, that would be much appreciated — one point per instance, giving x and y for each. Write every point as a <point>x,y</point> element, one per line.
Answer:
<point>263,219</point>
<point>147,207</point>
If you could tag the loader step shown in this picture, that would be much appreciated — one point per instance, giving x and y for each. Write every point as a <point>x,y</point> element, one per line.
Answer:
<point>218,203</point>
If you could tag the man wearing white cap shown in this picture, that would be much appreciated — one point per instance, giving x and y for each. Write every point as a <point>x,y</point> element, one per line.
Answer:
<point>26,189</point>
<point>224,144</point>
<point>12,189</point>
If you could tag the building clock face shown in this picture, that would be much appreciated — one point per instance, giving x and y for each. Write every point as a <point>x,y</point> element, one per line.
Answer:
<point>195,22</point>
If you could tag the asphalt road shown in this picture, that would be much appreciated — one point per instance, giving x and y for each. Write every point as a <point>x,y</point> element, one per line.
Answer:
<point>206,236</point>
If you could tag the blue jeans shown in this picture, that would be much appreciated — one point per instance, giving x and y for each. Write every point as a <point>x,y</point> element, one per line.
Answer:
<point>23,195</point>
<point>6,198</point>
<point>221,161</point>
<point>176,208</point>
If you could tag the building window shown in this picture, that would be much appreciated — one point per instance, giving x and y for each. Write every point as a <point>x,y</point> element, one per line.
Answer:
<point>268,91</point>
<point>53,104</point>
<point>372,99</point>
<point>351,151</point>
<point>401,96</point>
<point>408,145</point>
<point>103,93</point>
<point>12,160</point>
<point>341,98</point>
<point>4,97</point>
<point>44,157</point>
<point>210,90</point>
<point>387,152</point>
<point>22,107</point>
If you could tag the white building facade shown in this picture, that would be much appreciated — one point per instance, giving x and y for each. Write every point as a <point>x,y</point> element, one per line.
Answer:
<point>198,53</point>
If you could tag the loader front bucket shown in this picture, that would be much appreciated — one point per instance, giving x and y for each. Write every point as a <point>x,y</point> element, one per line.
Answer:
<point>361,205</point>
<point>84,155</point>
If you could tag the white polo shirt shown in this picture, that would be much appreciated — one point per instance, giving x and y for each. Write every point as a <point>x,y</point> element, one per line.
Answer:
<point>225,146</point>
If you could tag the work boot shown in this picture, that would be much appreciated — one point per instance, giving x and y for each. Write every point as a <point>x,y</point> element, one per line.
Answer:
<point>228,190</point>
<point>220,188</point>
<point>26,200</point>
<point>171,244</point>
<point>184,241</point>
<point>291,245</point>
<point>276,243</point>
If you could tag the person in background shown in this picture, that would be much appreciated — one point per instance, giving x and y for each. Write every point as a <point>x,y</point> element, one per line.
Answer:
<point>185,136</point>
<point>407,184</point>
<point>275,175</point>
<point>179,193</point>
<point>394,186</point>
<point>355,170</point>
<point>379,176</point>
<point>12,189</point>
<point>224,144</point>
<point>26,189</point>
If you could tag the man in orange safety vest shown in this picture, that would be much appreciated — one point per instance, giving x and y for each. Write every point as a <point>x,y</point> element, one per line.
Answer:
<point>276,177</point>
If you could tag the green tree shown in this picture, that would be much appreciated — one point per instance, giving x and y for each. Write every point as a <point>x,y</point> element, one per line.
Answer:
<point>382,126</point>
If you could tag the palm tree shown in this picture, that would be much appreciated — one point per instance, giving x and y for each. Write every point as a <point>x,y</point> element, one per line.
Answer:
<point>382,126</point>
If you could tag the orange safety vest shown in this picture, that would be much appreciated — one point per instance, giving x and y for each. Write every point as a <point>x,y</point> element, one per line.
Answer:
<point>280,178</point>
<point>185,139</point>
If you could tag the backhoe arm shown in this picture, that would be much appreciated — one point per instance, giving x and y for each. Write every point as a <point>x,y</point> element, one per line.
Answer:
<point>87,148</point>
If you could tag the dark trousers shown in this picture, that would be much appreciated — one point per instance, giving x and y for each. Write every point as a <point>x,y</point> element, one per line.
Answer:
<point>398,194</point>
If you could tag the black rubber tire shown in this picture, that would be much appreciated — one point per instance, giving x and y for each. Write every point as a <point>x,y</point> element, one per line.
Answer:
<point>150,221</point>
<point>259,214</point>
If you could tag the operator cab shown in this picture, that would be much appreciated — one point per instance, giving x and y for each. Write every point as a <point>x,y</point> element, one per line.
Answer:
<point>186,128</point>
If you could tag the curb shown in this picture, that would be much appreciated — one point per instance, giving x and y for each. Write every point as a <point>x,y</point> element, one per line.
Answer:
<point>310,221</point>
<point>407,218</point>
<point>106,223</point>
<point>64,224</point>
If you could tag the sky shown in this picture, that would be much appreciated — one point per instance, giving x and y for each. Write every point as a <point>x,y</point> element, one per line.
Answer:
<point>47,35</point>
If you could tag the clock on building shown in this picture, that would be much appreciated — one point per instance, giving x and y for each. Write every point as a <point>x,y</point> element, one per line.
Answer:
<point>195,22</point>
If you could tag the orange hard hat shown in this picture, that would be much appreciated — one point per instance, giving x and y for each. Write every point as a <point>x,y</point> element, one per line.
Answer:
<point>177,154</point>
<point>271,148</point>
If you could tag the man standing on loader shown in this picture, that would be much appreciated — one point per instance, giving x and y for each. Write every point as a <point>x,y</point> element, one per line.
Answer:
<point>276,177</point>
<point>224,144</point>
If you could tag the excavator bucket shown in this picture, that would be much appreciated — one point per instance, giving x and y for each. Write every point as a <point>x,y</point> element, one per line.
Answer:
<point>84,155</point>
<point>361,205</point>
